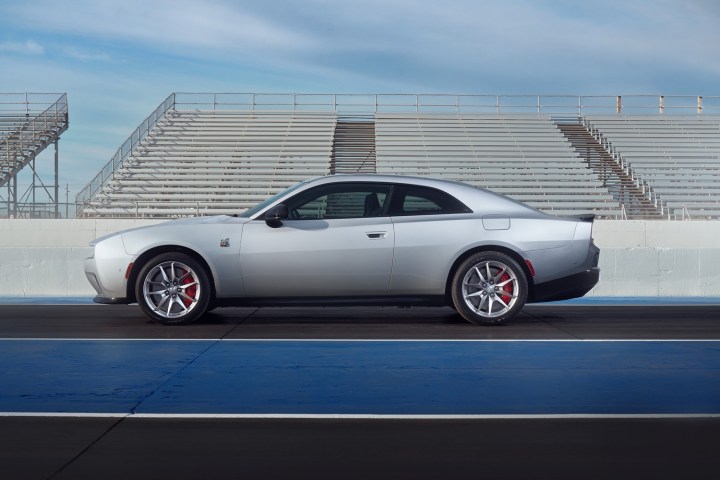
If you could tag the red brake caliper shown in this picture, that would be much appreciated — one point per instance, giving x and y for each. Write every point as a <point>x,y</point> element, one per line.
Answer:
<point>190,292</point>
<point>507,288</point>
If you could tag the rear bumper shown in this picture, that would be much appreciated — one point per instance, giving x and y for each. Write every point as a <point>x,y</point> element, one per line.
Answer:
<point>565,288</point>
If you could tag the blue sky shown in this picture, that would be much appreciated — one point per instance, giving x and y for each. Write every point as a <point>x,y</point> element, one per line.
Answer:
<point>117,60</point>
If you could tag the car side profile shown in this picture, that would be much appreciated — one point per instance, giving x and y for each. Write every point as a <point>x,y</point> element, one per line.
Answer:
<point>353,240</point>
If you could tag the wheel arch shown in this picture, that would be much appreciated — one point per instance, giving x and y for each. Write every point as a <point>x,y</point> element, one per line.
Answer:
<point>489,248</point>
<point>144,257</point>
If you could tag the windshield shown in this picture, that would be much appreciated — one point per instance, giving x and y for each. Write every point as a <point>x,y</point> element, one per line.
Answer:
<point>268,201</point>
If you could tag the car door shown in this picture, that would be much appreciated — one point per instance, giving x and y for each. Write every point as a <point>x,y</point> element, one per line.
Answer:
<point>431,226</point>
<point>336,242</point>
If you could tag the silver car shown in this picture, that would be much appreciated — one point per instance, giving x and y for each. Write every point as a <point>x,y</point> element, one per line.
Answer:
<point>353,240</point>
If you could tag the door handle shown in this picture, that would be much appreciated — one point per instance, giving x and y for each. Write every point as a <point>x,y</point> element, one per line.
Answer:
<point>376,235</point>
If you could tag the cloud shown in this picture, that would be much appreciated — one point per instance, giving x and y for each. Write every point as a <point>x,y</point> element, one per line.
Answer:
<point>86,56</point>
<point>162,24</point>
<point>28,47</point>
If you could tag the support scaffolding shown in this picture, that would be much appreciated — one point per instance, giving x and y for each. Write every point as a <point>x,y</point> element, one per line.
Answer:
<point>29,123</point>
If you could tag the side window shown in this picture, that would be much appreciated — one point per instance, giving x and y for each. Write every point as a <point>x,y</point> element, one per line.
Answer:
<point>344,200</point>
<point>412,200</point>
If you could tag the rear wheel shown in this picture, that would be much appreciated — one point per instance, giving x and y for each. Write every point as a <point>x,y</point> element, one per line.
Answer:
<point>488,288</point>
<point>173,289</point>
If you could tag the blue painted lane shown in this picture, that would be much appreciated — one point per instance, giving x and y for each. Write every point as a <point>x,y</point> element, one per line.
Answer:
<point>369,377</point>
<point>88,376</point>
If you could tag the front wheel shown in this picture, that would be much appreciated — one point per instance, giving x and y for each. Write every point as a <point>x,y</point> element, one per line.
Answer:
<point>173,289</point>
<point>488,288</point>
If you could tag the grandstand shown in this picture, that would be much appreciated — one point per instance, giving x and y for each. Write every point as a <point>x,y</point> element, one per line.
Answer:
<point>678,157</point>
<point>525,157</point>
<point>204,154</point>
<point>29,123</point>
<point>197,162</point>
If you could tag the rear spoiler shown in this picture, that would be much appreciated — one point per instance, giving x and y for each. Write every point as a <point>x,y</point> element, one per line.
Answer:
<point>585,217</point>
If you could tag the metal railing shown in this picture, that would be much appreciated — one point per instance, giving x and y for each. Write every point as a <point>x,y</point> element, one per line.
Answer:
<point>627,168</point>
<point>574,105</point>
<point>108,171</point>
<point>27,103</point>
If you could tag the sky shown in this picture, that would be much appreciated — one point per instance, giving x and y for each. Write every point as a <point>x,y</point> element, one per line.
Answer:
<point>118,60</point>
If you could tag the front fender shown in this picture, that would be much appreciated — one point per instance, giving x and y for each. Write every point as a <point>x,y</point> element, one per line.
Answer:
<point>217,245</point>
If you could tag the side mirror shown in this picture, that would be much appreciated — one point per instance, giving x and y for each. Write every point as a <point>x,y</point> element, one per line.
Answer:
<point>275,216</point>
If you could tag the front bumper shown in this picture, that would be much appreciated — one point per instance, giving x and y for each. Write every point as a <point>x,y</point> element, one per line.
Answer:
<point>111,301</point>
<point>107,268</point>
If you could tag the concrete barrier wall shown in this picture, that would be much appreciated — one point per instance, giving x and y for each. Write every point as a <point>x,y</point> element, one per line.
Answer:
<point>638,258</point>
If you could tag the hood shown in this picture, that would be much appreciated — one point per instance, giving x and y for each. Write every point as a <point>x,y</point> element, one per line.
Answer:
<point>180,221</point>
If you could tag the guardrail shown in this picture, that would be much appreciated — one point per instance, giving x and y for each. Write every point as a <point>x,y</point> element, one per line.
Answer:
<point>560,105</point>
<point>107,172</point>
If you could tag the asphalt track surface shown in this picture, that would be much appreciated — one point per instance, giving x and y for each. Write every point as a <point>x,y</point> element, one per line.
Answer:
<point>643,384</point>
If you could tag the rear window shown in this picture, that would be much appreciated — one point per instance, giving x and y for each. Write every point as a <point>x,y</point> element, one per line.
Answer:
<point>414,200</point>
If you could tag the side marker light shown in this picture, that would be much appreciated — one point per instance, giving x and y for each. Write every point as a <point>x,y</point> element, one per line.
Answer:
<point>532,269</point>
<point>129,269</point>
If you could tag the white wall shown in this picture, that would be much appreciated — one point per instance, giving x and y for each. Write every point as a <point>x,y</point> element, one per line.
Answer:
<point>45,257</point>
<point>637,258</point>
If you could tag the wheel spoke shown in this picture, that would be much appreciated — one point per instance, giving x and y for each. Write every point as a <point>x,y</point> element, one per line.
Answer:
<point>172,272</point>
<point>186,296</point>
<point>158,292</point>
<point>182,305</point>
<point>162,302</point>
<point>475,294</point>
<point>164,275</point>
<point>499,299</point>
<point>497,277</point>
<point>502,284</point>
<point>477,271</point>
<point>480,305</point>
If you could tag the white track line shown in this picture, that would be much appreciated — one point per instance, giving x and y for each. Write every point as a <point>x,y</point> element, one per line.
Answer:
<point>361,340</point>
<point>350,416</point>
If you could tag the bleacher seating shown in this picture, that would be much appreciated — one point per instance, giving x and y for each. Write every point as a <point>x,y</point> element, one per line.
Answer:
<point>217,162</point>
<point>221,161</point>
<point>10,124</point>
<point>678,156</point>
<point>522,156</point>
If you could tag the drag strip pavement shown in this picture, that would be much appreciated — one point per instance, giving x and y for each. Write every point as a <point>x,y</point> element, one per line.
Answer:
<point>345,378</point>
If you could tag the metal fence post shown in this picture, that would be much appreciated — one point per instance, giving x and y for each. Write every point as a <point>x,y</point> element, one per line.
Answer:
<point>699,105</point>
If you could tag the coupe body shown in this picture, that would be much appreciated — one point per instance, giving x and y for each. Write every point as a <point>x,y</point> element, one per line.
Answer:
<point>354,240</point>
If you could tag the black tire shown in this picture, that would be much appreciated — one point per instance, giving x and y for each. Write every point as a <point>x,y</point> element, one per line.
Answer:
<point>476,294</point>
<point>173,289</point>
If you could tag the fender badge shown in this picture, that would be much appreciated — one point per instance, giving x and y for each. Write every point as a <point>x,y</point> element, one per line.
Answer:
<point>225,242</point>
